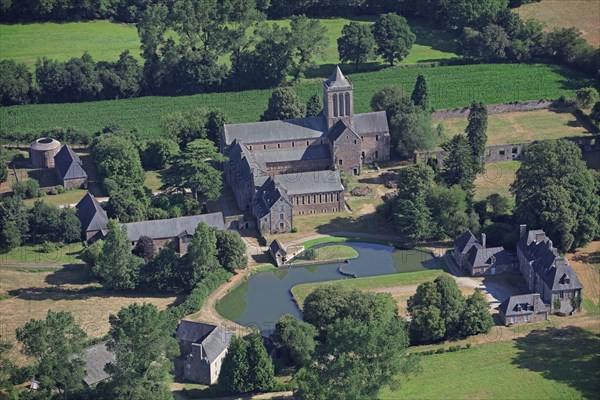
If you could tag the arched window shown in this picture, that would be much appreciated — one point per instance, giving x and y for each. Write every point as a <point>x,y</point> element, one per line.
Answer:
<point>341,101</point>
<point>335,106</point>
<point>347,103</point>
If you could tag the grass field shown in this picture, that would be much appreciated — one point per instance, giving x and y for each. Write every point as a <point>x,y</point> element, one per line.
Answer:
<point>451,86</point>
<point>496,179</point>
<point>581,14</point>
<point>67,254</point>
<point>105,41</point>
<point>545,364</point>
<point>520,127</point>
<point>331,252</point>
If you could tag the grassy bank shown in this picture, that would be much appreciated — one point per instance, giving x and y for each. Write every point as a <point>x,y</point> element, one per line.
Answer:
<point>450,86</point>
<point>67,254</point>
<point>331,252</point>
<point>374,282</point>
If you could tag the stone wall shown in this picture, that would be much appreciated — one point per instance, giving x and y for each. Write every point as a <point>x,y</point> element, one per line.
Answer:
<point>375,148</point>
<point>535,317</point>
<point>289,167</point>
<point>286,144</point>
<point>73,183</point>
<point>500,108</point>
<point>279,220</point>
<point>346,153</point>
<point>318,203</point>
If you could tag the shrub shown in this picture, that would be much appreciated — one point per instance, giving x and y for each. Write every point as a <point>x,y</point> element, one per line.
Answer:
<point>452,349</point>
<point>50,247</point>
<point>60,188</point>
<point>310,254</point>
<point>26,189</point>
<point>440,350</point>
<point>556,304</point>
<point>586,97</point>
<point>294,229</point>
<point>468,345</point>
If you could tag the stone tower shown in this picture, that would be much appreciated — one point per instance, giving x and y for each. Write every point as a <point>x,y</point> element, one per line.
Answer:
<point>338,99</point>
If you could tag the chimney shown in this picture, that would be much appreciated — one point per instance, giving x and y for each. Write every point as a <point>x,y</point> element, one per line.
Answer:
<point>522,231</point>
<point>483,237</point>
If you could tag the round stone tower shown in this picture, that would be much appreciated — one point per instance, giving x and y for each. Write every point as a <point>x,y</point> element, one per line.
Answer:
<point>42,152</point>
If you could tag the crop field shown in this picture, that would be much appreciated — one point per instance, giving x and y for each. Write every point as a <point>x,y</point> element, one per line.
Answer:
<point>520,127</point>
<point>551,363</point>
<point>105,40</point>
<point>451,86</point>
<point>581,14</point>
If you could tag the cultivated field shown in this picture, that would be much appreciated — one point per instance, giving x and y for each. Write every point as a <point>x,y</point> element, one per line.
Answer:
<point>581,14</point>
<point>526,126</point>
<point>546,363</point>
<point>29,292</point>
<point>451,86</point>
<point>105,40</point>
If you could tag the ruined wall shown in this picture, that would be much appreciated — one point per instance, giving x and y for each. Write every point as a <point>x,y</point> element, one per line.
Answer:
<point>501,108</point>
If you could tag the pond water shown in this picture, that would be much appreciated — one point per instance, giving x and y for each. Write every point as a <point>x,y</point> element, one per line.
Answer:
<point>266,296</point>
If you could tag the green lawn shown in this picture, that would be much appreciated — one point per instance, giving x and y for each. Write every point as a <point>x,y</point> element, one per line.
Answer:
<point>497,178</point>
<point>545,364</point>
<point>153,180</point>
<point>68,254</point>
<point>451,86</point>
<point>383,281</point>
<point>331,252</point>
<point>71,196</point>
<point>105,40</point>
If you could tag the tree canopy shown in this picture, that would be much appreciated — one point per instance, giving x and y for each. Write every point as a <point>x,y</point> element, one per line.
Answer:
<point>393,37</point>
<point>357,44</point>
<point>284,103</point>
<point>295,340</point>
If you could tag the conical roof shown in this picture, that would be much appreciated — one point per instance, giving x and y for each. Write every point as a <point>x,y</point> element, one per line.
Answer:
<point>338,80</point>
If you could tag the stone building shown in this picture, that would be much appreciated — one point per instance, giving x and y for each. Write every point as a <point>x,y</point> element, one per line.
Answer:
<point>93,218</point>
<point>548,273</point>
<point>523,308</point>
<point>42,152</point>
<point>69,168</point>
<point>474,256</point>
<point>96,358</point>
<point>278,169</point>
<point>203,347</point>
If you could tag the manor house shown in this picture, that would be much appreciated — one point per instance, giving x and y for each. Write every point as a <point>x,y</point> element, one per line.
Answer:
<point>278,169</point>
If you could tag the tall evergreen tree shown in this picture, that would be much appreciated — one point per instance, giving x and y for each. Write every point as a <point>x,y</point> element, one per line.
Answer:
<point>232,250</point>
<point>420,94</point>
<point>451,303</point>
<point>458,165</point>
<point>233,377</point>
<point>201,258</point>
<point>261,372</point>
<point>477,134</point>
<point>476,317</point>
<point>313,106</point>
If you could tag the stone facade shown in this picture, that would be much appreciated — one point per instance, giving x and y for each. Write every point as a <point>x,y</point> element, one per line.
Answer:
<point>523,308</point>
<point>479,259</point>
<point>278,169</point>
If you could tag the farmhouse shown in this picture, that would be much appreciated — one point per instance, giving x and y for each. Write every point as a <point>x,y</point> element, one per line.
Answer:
<point>523,308</point>
<point>203,347</point>
<point>178,231</point>
<point>278,169</point>
<point>548,273</point>
<point>69,169</point>
<point>478,259</point>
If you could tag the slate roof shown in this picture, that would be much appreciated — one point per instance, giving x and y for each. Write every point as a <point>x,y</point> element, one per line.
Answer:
<point>68,164</point>
<point>338,80</point>
<point>267,196</point>
<point>310,182</point>
<point>275,246</point>
<point>272,131</point>
<point>172,227</point>
<point>314,152</point>
<point>214,340</point>
<point>524,304</point>
<point>91,214</point>
<point>339,128</point>
<point>371,122</point>
<point>479,256</point>
<point>96,357</point>
<point>465,242</point>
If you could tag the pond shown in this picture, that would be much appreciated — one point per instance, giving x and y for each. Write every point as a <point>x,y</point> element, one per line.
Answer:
<point>266,296</point>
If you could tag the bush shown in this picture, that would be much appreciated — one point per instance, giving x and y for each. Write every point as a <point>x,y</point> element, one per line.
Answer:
<point>556,304</point>
<point>468,345</point>
<point>294,229</point>
<point>50,247</point>
<point>310,254</point>
<point>452,349</point>
<point>586,97</point>
<point>440,351</point>
<point>60,189</point>
<point>26,189</point>
<point>91,253</point>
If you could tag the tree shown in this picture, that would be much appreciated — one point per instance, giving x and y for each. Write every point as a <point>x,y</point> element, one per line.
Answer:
<point>232,250</point>
<point>70,226</point>
<point>121,79</point>
<point>184,128</point>
<point>451,304</point>
<point>295,339</point>
<point>56,344</point>
<point>3,171</point>
<point>476,131</point>
<point>117,158</point>
<point>323,305</point>
<point>159,152</point>
<point>420,94</point>
<point>45,222</point>
<point>389,99</point>
<point>129,204</point>
<point>308,38</point>
<point>215,119</point>
<point>284,104</point>
<point>141,338</point>
<point>7,390</point>
<point>412,130</point>
<point>80,80</point>
<point>499,204</point>
<point>116,267</point>
<point>261,372</point>
<point>201,258</point>
<point>393,37</point>
<point>144,248</point>
<point>448,209</point>
<point>10,235</point>
<point>409,210</point>
<point>163,272</point>
<point>561,198</point>
<point>14,221</point>
<point>595,114</point>
<point>426,325</point>
<point>586,97</point>
<point>192,169</point>
<point>313,106</point>
<point>458,164</point>
<point>357,44</point>
<point>356,360</point>
<point>233,377</point>
<point>476,13</point>
<point>15,83</point>
<point>476,317</point>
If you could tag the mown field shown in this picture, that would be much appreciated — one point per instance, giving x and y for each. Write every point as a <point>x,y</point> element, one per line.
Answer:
<point>553,363</point>
<point>497,178</point>
<point>105,40</point>
<point>581,14</point>
<point>451,86</point>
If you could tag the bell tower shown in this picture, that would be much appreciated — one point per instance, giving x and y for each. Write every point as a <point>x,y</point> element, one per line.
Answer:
<point>338,99</point>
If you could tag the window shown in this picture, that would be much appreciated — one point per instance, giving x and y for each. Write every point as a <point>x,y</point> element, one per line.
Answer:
<point>307,142</point>
<point>562,294</point>
<point>293,144</point>
<point>376,154</point>
<point>341,101</point>
<point>282,207</point>
<point>264,146</point>
<point>355,142</point>
<point>362,155</point>
<point>335,106</point>
<point>526,318</point>
<point>501,152</point>
<point>340,161</point>
<point>278,145</point>
<point>281,216</point>
<point>250,147</point>
<point>513,320</point>
<point>281,225</point>
<point>515,150</point>
<point>347,103</point>
<point>376,137</point>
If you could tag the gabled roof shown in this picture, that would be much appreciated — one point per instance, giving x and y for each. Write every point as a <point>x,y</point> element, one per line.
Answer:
<point>276,246</point>
<point>310,182</point>
<point>371,122</point>
<point>465,242</point>
<point>96,357</point>
<point>523,304</point>
<point>339,128</point>
<point>272,131</point>
<point>314,152</point>
<point>338,80</point>
<point>479,256</point>
<point>172,227</point>
<point>214,340</point>
<point>68,164</point>
<point>91,214</point>
<point>267,196</point>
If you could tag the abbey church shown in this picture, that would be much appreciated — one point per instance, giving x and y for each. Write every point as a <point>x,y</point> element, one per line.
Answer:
<point>278,169</point>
